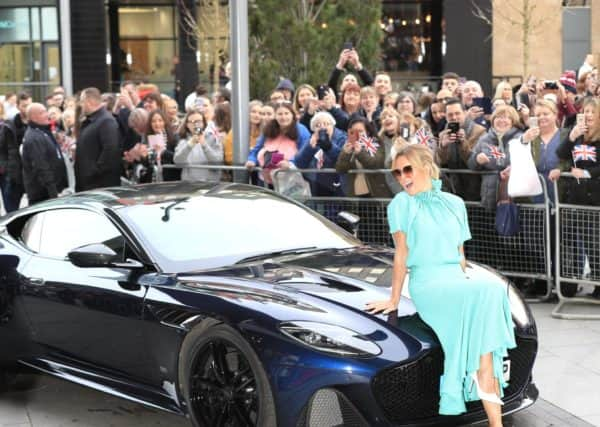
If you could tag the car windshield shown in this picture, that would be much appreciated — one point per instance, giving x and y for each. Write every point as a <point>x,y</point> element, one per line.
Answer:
<point>220,229</point>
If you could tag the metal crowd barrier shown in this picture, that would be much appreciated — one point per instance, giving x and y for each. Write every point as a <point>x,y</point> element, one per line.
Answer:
<point>526,255</point>
<point>577,248</point>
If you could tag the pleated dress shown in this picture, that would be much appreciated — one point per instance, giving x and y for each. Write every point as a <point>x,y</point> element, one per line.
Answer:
<point>471,317</point>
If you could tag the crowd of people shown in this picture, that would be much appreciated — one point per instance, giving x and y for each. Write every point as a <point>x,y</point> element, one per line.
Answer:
<point>354,121</point>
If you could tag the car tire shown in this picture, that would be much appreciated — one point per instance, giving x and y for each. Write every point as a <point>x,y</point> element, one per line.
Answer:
<point>222,381</point>
<point>568,290</point>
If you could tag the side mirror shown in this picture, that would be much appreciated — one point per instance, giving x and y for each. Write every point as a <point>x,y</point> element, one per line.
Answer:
<point>348,221</point>
<point>94,255</point>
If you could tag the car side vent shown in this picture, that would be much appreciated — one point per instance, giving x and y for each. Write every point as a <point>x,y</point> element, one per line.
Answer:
<point>340,286</point>
<point>172,316</point>
<point>330,408</point>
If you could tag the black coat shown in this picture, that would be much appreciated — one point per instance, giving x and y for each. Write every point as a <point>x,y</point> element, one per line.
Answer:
<point>584,191</point>
<point>98,152</point>
<point>11,137</point>
<point>44,171</point>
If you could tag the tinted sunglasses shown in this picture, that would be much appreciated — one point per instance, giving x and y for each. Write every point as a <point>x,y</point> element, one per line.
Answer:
<point>406,171</point>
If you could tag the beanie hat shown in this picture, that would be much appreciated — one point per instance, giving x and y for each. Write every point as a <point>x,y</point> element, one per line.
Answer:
<point>568,81</point>
<point>285,84</point>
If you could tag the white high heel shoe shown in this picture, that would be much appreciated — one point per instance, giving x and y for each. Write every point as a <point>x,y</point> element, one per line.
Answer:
<point>490,397</point>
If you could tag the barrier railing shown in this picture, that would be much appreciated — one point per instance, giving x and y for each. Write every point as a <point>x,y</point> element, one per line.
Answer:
<point>577,249</point>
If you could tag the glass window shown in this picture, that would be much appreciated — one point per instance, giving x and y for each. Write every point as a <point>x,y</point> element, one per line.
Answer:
<point>197,232</point>
<point>15,63</point>
<point>35,23</point>
<point>14,24</point>
<point>148,58</point>
<point>49,23</point>
<point>146,21</point>
<point>213,41</point>
<point>67,229</point>
<point>31,235</point>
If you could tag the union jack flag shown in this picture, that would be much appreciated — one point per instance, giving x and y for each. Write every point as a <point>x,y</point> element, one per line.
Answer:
<point>496,153</point>
<point>369,144</point>
<point>422,136</point>
<point>584,152</point>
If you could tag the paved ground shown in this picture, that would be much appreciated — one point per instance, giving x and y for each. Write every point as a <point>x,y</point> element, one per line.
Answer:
<point>567,372</point>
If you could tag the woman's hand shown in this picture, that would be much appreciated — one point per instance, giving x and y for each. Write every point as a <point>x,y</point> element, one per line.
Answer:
<point>284,164</point>
<point>250,165</point>
<point>554,175</point>
<point>482,159</point>
<point>577,131</point>
<point>505,173</point>
<point>531,134</point>
<point>385,307</point>
<point>578,173</point>
<point>313,140</point>
<point>474,112</point>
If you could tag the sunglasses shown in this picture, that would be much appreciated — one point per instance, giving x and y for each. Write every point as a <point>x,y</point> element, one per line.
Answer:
<point>406,171</point>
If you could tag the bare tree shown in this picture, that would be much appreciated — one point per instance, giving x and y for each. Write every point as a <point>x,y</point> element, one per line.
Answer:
<point>524,15</point>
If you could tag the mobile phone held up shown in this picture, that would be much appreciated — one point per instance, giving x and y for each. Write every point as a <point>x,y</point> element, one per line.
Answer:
<point>322,90</point>
<point>348,46</point>
<point>405,131</point>
<point>484,103</point>
<point>550,84</point>
<point>453,127</point>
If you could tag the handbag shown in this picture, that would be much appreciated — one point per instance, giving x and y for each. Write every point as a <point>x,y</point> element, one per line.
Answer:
<point>290,183</point>
<point>507,218</point>
<point>523,180</point>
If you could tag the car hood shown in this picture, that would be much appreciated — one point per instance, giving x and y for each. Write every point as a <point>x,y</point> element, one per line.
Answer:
<point>349,278</point>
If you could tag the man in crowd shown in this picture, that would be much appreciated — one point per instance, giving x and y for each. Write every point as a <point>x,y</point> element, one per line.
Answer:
<point>11,137</point>
<point>44,170</point>
<point>98,152</point>
<point>450,81</point>
<point>383,86</point>
<point>455,145</point>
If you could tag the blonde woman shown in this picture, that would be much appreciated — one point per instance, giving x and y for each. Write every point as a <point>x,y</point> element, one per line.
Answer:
<point>504,92</point>
<point>471,317</point>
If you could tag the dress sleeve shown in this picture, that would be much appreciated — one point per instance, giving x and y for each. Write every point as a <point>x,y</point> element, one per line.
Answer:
<point>465,233</point>
<point>396,214</point>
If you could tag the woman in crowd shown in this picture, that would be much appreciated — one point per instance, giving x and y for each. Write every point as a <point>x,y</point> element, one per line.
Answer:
<point>195,149</point>
<point>390,99</point>
<point>587,83</point>
<point>162,141</point>
<point>388,135</point>
<point>504,92</point>
<point>470,316</point>
<point>322,151</point>
<point>302,95</point>
<point>222,131</point>
<point>435,117</point>
<point>580,152</point>
<point>348,56</point>
<point>152,101</point>
<point>369,105</point>
<point>172,112</point>
<point>362,150</point>
<point>281,140</point>
<point>267,113</point>
<point>491,152</point>
<point>350,99</point>
<point>255,121</point>
<point>406,103</point>
<point>418,131</point>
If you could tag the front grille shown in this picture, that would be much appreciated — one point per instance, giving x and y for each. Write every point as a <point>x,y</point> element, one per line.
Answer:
<point>330,408</point>
<point>410,392</point>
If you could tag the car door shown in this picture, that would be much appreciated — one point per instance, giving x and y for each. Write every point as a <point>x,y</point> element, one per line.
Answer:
<point>91,314</point>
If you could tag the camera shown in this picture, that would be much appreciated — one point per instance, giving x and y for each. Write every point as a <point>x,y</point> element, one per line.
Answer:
<point>550,84</point>
<point>453,127</point>
<point>322,90</point>
<point>198,130</point>
<point>323,140</point>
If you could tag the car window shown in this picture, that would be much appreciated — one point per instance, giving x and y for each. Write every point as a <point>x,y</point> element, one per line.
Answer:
<point>67,229</point>
<point>31,234</point>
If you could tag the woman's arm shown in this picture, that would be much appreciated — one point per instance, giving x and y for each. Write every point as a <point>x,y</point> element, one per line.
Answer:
<point>398,276</point>
<point>463,260</point>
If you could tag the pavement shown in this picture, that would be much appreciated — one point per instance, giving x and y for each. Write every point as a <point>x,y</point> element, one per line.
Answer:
<point>567,373</point>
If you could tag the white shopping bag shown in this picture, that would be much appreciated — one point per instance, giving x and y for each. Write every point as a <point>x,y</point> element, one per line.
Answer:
<point>523,180</point>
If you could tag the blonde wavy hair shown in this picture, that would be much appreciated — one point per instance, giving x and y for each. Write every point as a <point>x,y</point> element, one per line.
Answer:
<point>418,155</point>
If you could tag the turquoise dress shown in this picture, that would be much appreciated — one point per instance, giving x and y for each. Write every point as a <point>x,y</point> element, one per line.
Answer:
<point>470,317</point>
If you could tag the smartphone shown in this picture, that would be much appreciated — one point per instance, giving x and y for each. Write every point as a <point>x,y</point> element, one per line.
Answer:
<point>322,90</point>
<point>348,46</point>
<point>580,119</point>
<point>524,99</point>
<point>405,131</point>
<point>550,84</point>
<point>454,127</point>
<point>484,103</point>
<point>533,122</point>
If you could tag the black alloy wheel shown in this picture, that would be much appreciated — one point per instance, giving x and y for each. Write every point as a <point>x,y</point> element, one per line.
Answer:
<point>223,382</point>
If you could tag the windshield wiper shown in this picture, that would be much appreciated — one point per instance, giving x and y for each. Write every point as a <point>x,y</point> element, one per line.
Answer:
<point>281,253</point>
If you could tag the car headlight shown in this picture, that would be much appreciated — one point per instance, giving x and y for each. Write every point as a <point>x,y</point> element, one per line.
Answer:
<point>331,338</point>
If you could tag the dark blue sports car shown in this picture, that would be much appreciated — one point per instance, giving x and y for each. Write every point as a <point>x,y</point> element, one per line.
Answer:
<point>228,304</point>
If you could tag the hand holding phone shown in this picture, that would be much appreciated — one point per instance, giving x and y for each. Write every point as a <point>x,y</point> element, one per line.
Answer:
<point>533,122</point>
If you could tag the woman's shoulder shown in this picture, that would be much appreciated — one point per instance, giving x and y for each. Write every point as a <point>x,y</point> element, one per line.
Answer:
<point>454,200</point>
